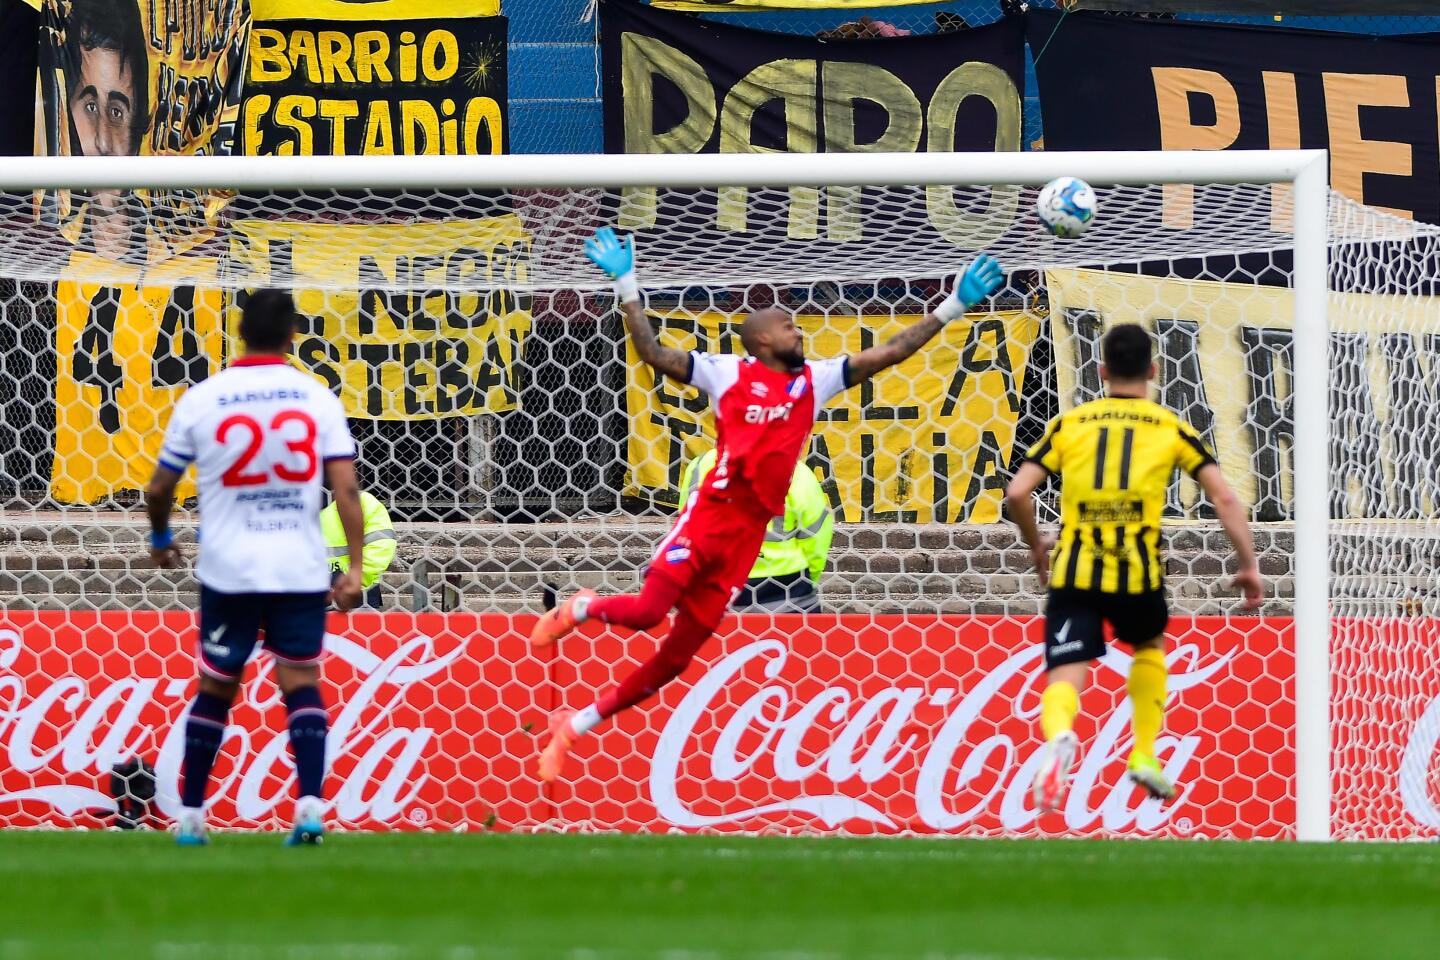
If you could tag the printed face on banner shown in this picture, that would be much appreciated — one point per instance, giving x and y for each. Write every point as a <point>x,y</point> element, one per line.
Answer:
<point>107,101</point>
<point>132,77</point>
<point>108,78</point>
<point>929,440</point>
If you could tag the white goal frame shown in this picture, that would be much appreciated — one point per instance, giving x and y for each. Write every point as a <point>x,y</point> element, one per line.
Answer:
<point>1305,170</point>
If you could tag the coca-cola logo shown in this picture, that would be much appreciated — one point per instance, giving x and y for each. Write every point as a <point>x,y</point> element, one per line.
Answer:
<point>1418,772</point>
<point>955,758</point>
<point>101,721</point>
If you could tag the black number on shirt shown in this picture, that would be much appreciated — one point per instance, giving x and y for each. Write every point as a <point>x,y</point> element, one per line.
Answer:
<point>1102,449</point>
<point>1127,448</point>
<point>1102,444</point>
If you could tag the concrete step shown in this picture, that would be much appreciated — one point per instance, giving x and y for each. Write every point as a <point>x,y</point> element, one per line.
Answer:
<point>100,561</point>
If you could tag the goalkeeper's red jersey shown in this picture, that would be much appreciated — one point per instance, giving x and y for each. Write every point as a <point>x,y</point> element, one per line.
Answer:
<point>763,421</point>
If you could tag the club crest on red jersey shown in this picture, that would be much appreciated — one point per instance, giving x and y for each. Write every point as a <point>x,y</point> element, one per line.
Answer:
<point>679,551</point>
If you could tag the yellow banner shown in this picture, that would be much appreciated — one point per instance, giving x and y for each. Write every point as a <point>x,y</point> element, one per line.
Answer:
<point>928,440</point>
<point>749,6</point>
<point>349,10</point>
<point>138,78</point>
<point>124,354</point>
<point>404,348</point>
<point>1224,353</point>
<point>377,86</point>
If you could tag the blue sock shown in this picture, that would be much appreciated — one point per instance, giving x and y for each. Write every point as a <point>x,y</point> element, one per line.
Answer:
<point>308,725</point>
<point>204,730</point>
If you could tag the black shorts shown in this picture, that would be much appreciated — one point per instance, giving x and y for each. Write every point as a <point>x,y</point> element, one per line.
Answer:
<point>230,625</point>
<point>1075,619</point>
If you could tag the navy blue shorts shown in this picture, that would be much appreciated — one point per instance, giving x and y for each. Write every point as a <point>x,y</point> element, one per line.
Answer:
<point>230,626</point>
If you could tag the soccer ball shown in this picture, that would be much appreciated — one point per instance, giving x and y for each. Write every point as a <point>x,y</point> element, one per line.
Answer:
<point>1066,206</point>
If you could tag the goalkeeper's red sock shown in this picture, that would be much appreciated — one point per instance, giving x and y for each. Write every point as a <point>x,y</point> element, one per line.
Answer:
<point>638,611</point>
<point>687,635</point>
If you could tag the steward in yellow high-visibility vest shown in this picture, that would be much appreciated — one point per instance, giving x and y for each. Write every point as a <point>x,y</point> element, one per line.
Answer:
<point>786,575</point>
<point>379,545</point>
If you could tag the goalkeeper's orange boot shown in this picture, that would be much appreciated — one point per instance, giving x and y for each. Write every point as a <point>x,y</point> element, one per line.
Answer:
<point>562,737</point>
<point>558,622</point>
<point>1053,777</point>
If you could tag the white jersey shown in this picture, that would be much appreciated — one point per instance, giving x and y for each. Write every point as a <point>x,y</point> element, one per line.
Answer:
<point>258,434</point>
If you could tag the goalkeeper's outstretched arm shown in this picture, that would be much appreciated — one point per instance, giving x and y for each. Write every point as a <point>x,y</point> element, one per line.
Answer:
<point>977,283</point>
<point>617,259</point>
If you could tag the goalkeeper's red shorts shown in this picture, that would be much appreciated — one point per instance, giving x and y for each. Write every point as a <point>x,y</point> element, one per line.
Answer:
<point>709,554</point>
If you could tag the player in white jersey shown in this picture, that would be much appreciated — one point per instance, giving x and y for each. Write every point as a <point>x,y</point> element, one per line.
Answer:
<point>259,434</point>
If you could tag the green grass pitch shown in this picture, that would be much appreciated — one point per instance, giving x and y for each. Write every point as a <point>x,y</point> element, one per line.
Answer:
<point>570,897</point>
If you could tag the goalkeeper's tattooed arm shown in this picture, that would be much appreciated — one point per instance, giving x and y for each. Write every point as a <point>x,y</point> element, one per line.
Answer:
<point>617,259</point>
<point>667,360</point>
<point>977,283</point>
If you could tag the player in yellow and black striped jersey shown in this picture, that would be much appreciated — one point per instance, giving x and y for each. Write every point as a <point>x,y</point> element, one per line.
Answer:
<point>1115,458</point>
<point>1118,455</point>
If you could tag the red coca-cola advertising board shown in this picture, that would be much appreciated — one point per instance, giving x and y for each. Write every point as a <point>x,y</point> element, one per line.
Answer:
<point>862,724</point>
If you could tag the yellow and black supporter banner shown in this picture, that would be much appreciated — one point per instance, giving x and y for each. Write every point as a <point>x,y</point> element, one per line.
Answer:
<point>928,440</point>
<point>137,78</point>
<point>387,327</point>
<point>402,346</point>
<point>1224,355</point>
<point>750,6</point>
<point>128,78</point>
<point>676,84</point>
<point>1124,83</point>
<point>394,77</point>
<point>124,354</point>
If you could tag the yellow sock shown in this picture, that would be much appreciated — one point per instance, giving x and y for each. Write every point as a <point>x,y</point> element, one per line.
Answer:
<point>1147,694</point>
<point>1058,706</point>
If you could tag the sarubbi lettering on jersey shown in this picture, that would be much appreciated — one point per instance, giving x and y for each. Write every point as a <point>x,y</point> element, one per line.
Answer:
<point>878,722</point>
<point>260,396</point>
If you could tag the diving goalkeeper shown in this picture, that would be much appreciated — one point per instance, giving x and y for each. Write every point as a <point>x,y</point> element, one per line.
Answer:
<point>765,408</point>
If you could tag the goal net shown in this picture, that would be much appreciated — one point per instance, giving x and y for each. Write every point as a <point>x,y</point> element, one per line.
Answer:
<point>523,452</point>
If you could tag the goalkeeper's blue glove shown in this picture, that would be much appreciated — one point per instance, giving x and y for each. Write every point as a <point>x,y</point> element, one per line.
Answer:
<point>617,258</point>
<point>982,278</point>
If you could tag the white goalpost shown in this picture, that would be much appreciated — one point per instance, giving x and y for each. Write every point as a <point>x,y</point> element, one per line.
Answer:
<point>525,453</point>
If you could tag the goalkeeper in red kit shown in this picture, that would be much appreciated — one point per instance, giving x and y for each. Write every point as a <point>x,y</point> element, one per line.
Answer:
<point>765,408</point>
